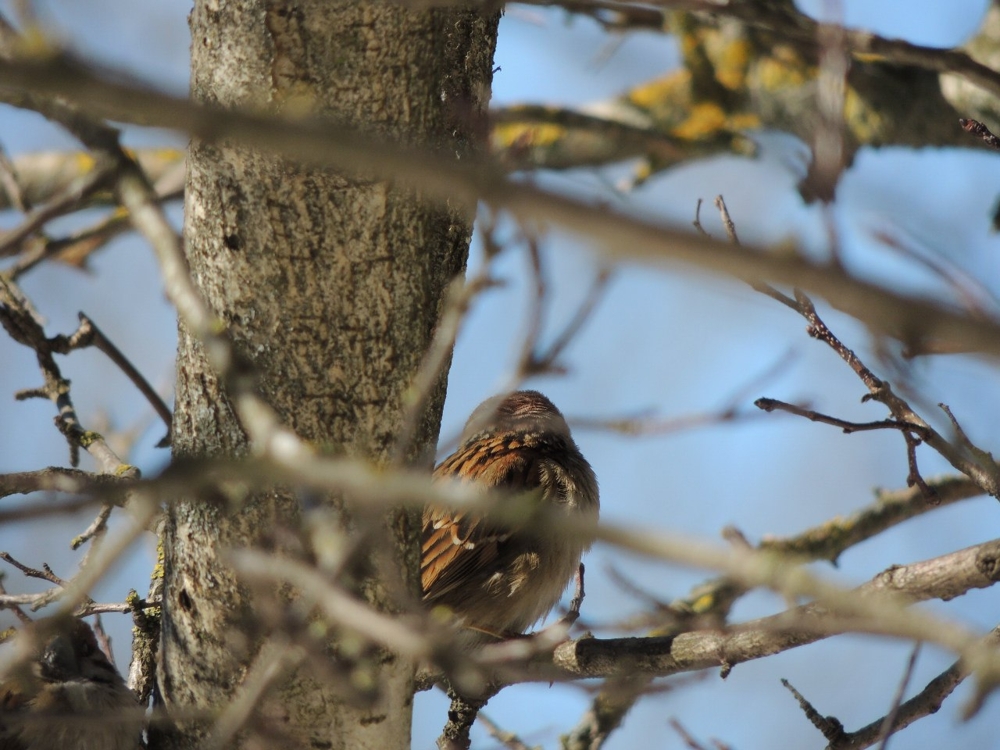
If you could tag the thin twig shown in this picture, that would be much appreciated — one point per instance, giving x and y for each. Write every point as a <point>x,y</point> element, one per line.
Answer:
<point>69,200</point>
<point>45,574</point>
<point>9,182</point>
<point>23,326</point>
<point>927,701</point>
<point>76,247</point>
<point>888,726</point>
<point>772,404</point>
<point>727,221</point>
<point>829,726</point>
<point>977,128</point>
<point>730,227</point>
<point>975,463</point>
<point>458,300</point>
<point>685,736</point>
<point>119,608</point>
<point>88,334</point>
<point>696,223</point>
<point>527,362</point>
<point>98,526</point>
<point>104,640</point>
<point>18,612</point>
<point>584,311</point>
<point>729,411</point>
<point>913,475</point>
<point>507,739</point>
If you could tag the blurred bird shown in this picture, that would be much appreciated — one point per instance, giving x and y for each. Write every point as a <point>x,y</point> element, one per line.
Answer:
<point>73,699</point>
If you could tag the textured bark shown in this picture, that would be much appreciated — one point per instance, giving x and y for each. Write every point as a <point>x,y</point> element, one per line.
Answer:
<point>331,285</point>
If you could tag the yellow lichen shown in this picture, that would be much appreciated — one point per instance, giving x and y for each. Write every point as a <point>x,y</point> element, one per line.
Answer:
<point>703,603</point>
<point>783,70</point>
<point>744,121</point>
<point>84,161</point>
<point>864,122</point>
<point>88,438</point>
<point>705,119</point>
<point>731,66</point>
<point>660,90</point>
<point>520,134</point>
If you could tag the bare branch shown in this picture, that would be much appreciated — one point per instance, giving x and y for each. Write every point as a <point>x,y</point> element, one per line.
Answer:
<point>57,479</point>
<point>942,577</point>
<point>907,318</point>
<point>977,464</point>
<point>70,200</point>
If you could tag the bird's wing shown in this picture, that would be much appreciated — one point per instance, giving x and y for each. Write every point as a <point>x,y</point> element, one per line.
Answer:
<point>458,545</point>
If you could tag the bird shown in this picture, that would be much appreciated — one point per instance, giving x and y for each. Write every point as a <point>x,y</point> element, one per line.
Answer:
<point>71,698</point>
<point>496,580</point>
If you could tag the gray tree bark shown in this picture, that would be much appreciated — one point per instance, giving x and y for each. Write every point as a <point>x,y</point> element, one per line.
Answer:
<point>331,285</point>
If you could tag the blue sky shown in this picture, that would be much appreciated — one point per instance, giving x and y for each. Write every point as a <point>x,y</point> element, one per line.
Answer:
<point>669,339</point>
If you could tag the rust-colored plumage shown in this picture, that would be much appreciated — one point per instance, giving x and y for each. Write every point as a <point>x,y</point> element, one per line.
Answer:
<point>499,580</point>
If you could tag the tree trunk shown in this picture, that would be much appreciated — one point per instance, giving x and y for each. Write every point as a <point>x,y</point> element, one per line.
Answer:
<point>331,285</point>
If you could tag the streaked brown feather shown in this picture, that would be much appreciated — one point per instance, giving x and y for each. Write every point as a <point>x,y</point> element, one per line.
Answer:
<point>457,545</point>
<point>496,579</point>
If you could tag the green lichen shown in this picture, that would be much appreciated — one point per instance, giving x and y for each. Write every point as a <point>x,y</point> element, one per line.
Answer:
<point>89,437</point>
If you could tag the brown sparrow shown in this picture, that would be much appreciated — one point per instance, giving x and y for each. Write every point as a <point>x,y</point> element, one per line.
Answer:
<point>73,699</point>
<point>497,580</point>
